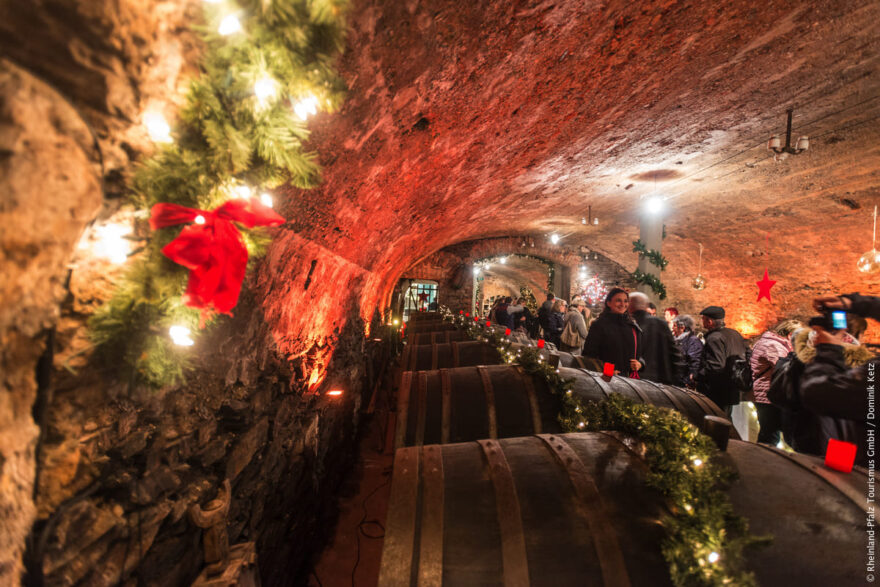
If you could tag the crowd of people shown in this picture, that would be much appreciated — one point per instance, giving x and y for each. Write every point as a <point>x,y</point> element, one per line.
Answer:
<point>808,383</point>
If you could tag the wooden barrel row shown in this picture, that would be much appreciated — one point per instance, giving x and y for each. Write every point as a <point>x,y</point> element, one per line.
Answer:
<point>575,509</point>
<point>443,355</point>
<point>502,401</point>
<point>424,316</point>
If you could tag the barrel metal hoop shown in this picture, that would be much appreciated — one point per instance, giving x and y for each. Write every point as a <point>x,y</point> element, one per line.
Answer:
<point>603,385</point>
<point>529,386</point>
<point>446,404</point>
<point>434,349</point>
<point>513,540</point>
<point>397,552</point>
<point>423,399</point>
<point>402,408</point>
<point>590,504</point>
<point>456,357</point>
<point>490,401</point>
<point>857,497</point>
<point>431,532</point>
<point>642,395</point>
<point>676,401</point>
<point>711,407</point>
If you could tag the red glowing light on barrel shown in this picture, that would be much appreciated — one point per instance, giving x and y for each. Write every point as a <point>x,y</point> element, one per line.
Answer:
<point>608,369</point>
<point>540,343</point>
<point>840,455</point>
<point>507,332</point>
<point>468,314</point>
<point>488,324</point>
<point>460,312</point>
<point>476,318</point>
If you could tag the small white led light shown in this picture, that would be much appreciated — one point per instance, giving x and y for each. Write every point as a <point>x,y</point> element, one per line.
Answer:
<point>306,107</point>
<point>157,127</point>
<point>713,557</point>
<point>241,191</point>
<point>229,25</point>
<point>266,199</point>
<point>181,336</point>
<point>265,89</point>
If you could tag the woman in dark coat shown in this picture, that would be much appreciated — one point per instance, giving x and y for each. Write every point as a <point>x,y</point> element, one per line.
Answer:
<point>615,338</point>
<point>556,321</point>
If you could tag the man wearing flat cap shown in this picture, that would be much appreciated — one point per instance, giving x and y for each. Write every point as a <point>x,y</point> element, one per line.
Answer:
<point>723,346</point>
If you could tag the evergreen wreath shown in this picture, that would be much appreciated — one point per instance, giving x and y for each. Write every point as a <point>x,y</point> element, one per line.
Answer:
<point>228,137</point>
<point>705,537</point>
<point>653,255</point>
<point>651,281</point>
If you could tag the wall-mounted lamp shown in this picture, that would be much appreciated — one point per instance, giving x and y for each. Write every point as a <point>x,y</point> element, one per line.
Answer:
<point>775,143</point>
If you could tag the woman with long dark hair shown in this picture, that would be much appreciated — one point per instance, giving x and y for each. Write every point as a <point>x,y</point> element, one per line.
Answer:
<point>614,336</point>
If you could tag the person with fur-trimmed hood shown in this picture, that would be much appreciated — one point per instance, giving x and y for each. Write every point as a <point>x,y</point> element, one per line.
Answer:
<point>772,346</point>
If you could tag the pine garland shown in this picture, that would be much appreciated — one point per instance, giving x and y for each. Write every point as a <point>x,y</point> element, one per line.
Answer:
<point>226,137</point>
<point>705,538</point>
<point>653,255</point>
<point>652,281</point>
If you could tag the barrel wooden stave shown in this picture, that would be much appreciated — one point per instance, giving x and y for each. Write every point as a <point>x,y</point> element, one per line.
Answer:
<point>444,355</point>
<point>424,317</point>
<point>419,338</point>
<point>515,409</point>
<point>818,530</point>
<point>429,326</point>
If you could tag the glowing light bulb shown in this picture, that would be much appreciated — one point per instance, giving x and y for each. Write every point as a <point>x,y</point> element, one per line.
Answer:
<point>229,25</point>
<point>503,260</point>
<point>476,270</point>
<point>180,335</point>
<point>241,191</point>
<point>713,557</point>
<point>654,205</point>
<point>395,321</point>
<point>199,219</point>
<point>265,89</point>
<point>306,107</point>
<point>554,238</point>
<point>583,220</point>
<point>157,127</point>
<point>111,244</point>
<point>698,462</point>
<point>335,392</point>
<point>266,199</point>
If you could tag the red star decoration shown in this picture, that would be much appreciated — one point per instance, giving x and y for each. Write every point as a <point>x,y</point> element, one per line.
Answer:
<point>764,287</point>
<point>423,297</point>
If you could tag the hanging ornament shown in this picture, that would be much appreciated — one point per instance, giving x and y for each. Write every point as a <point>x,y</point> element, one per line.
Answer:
<point>699,281</point>
<point>212,248</point>
<point>870,261</point>
<point>764,287</point>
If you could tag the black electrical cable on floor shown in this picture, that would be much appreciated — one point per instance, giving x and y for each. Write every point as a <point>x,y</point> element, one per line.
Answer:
<point>364,522</point>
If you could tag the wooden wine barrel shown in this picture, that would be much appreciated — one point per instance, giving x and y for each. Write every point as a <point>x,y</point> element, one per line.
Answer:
<point>420,338</point>
<point>424,316</point>
<point>502,401</point>
<point>574,509</point>
<point>465,353</point>
<point>565,359</point>
<point>429,326</point>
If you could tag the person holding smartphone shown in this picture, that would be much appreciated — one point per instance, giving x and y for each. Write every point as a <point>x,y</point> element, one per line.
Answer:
<point>836,394</point>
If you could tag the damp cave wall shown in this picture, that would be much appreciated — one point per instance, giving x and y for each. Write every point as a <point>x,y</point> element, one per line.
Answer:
<point>98,494</point>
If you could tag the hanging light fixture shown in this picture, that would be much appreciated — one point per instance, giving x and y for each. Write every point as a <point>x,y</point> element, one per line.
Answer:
<point>775,143</point>
<point>554,238</point>
<point>870,261</point>
<point>699,281</point>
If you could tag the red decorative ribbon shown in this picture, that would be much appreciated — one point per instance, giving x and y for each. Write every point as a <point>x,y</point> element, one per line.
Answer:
<point>213,251</point>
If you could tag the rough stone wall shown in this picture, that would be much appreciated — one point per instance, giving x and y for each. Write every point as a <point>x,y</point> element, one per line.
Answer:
<point>50,188</point>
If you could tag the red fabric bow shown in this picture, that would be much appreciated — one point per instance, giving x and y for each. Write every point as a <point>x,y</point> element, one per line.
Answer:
<point>213,251</point>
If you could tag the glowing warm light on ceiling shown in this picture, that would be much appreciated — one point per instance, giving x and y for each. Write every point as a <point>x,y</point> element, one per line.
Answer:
<point>503,260</point>
<point>181,336</point>
<point>157,127</point>
<point>229,25</point>
<point>654,205</point>
<point>554,238</point>
<point>306,107</point>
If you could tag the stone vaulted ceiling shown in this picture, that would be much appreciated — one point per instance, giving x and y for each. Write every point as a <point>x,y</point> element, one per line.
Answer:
<point>474,119</point>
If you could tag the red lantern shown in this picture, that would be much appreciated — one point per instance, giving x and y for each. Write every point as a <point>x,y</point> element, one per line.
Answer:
<point>507,332</point>
<point>488,324</point>
<point>476,318</point>
<point>460,312</point>
<point>840,455</point>
<point>468,314</point>
<point>608,369</point>
<point>540,343</point>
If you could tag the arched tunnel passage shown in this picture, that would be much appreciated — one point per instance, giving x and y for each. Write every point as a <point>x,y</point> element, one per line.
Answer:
<point>462,123</point>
